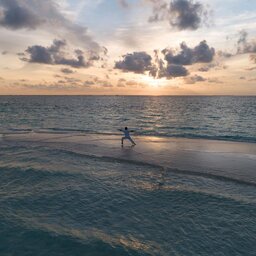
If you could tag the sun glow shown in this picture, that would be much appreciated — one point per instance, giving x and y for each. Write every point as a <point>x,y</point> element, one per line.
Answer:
<point>153,82</point>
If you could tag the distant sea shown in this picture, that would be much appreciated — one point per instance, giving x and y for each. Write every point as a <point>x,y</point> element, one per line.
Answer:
<point>58,200</point>
<point>221,118</point>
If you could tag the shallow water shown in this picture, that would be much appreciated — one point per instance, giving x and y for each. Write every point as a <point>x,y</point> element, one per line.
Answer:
<point>55,202</point>
<point>225,118</point>
<point>64,196</point>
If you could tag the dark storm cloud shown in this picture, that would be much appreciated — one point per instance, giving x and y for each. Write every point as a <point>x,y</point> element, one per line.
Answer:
<point>55,55</point>
<point>15,15</point>
<point>182,14</point>
<point>137,62</point>
<point>188,56</point>
<point>245,46</point>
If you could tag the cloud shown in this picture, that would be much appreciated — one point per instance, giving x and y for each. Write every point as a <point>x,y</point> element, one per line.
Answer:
<point>160,11</point>
<point>215,81</point>
<point>14,15</point>
<point>88,83</point>
<point>253,57</point>
<point>181,14</point>
<point>121,82</point>
<point>194,79</point>
<point>173,63</point>
<point>188,56</point>
<point>55,55</point>
<point>174,71</point>
<point>130,83</point>
<point>250,69</point>
<point>59,85</point>
<point>137,62</point>
<point>123,3</point>
<point>67,71</point>
<point>243,45</point>
<point>46,15</point>
<point>102,83</point>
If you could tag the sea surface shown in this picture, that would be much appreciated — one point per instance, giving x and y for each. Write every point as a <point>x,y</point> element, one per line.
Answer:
<point>225,118</point>
<point>59,202</point>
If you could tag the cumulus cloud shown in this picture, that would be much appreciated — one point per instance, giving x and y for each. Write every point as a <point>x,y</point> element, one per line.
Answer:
<point>173,63</point>
<point>137,62</point>
<point>187,56</point>
<point>46,15</point>
<point>174,71</point>
<point>56,55</point>
<point>182,14</point>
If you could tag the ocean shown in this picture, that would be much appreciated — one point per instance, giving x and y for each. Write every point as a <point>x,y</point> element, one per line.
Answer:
<point>67,187</point>
<point>224,118</point>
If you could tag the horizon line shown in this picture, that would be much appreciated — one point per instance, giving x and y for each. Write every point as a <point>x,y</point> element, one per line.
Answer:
<point>134,95</point>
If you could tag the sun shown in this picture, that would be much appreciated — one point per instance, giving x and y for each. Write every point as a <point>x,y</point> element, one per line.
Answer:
<point>152,82</point>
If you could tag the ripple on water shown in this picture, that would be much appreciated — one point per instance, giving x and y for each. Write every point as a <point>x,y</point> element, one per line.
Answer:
<point>57,203</point>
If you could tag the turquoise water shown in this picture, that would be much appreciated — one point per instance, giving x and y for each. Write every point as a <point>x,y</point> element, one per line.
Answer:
<point>225,118</point>
<point>59,202</point>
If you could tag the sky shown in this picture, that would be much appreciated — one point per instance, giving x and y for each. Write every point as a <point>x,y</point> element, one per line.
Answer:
<point>128,47</point>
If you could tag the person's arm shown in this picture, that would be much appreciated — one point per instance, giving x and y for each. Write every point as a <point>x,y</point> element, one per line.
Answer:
<point>120,130</point>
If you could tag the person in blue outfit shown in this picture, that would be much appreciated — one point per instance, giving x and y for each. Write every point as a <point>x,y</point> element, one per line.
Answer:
<point>127,136</point>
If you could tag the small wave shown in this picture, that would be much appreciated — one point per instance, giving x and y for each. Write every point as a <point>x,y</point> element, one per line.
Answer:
<point>161,167</point>
<point>140,132</point>
<point>65,241</point>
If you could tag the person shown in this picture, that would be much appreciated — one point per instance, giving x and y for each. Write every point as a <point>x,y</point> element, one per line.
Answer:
<point>126,136</point>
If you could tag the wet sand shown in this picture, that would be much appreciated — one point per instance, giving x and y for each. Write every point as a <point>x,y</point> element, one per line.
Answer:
<point>220,159</point>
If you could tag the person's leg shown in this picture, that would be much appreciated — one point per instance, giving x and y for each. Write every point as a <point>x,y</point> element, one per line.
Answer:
<point>123,140</point>
<point>131,140</point>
